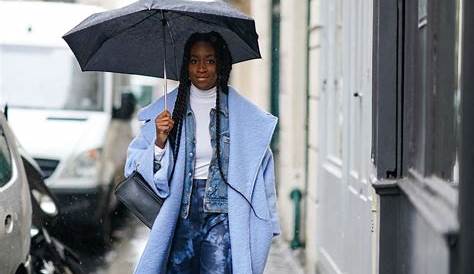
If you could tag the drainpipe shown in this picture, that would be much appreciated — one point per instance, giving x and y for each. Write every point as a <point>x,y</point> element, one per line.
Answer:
<point>306,118</point>
<point>296,196</point>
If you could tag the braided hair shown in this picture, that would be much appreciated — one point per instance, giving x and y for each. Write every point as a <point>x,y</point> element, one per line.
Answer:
<point>223,67</point>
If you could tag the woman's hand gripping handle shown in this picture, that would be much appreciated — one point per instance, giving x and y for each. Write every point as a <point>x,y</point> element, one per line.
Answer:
<point>164,124</point>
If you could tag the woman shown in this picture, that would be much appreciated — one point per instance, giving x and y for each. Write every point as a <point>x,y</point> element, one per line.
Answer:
<point>219,215</point>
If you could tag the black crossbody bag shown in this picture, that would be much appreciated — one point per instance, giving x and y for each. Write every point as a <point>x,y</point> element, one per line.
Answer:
<point>137,195</point>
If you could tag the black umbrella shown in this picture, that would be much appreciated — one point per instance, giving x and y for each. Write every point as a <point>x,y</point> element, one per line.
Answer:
<point>148,36</point>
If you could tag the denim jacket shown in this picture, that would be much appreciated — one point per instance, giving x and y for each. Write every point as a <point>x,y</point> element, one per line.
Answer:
<point>215,198</point>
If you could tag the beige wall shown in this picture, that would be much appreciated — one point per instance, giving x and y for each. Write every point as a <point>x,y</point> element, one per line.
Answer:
<point>252,78</point>
<point>255,76</point>
<point>292,107</point>
<point>313,141</point>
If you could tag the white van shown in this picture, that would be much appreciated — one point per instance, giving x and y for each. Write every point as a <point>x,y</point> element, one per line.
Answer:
<point>75,124</point>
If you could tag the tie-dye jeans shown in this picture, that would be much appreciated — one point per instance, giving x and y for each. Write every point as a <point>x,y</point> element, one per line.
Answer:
<point>201,243</point>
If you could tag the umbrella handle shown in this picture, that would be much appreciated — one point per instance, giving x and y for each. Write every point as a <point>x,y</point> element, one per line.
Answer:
<point>163,23</point>
<point>165,91</point>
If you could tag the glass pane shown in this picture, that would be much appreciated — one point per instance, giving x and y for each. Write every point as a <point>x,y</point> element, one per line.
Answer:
<point>436,109</point>
<point>445,102</point>
<point>5,160</point>
<point>422,9</point>
<point>418,142</point>
<point>47,77</point>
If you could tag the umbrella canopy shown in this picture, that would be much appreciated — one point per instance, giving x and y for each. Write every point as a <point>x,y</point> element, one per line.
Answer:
<point>143,37</point>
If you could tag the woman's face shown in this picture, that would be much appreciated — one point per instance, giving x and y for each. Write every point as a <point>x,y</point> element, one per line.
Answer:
<point>202,66</point>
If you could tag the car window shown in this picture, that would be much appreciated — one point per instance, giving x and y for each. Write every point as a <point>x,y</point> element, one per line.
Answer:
<point>5,160</point>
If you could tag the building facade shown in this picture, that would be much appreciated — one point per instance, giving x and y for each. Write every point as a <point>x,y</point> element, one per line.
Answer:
<point>417,134</point>
<point>374,147</point>
<point>373,131</point>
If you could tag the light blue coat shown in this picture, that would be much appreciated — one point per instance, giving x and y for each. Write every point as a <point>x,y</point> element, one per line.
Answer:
<point>251,171</point>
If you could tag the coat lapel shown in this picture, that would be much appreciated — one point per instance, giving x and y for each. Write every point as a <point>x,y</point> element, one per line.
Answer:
<point>251,130</point>
<point>250,134</point>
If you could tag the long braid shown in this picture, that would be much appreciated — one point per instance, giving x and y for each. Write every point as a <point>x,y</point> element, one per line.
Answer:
<point>181,103</point>
<point>223,69</point>
<point>185,84</point>
<point>224,66</point>
<point>218,133</point>
<point>178,114</point>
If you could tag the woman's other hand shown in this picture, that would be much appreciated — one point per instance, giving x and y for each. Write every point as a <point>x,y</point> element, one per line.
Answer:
<point>164,124</point>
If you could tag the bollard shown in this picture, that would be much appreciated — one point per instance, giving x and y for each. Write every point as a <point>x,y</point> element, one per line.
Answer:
<point>296,196</point>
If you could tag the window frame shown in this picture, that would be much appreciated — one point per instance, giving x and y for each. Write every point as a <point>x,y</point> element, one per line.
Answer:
<point>432,142</point>
<point>386,96</point>
<point>406,133</point>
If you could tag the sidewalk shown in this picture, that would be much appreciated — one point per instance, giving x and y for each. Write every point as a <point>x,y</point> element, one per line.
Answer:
<point>131,240</point>
<point>282,260</point>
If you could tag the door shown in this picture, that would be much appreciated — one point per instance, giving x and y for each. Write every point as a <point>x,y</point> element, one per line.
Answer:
<point>344,192</point>
<point>359,222</point>
<point>15,204</point>
<point>332,115</point>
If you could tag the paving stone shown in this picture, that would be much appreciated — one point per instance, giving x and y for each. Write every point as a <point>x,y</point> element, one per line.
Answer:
<point>282,260</point>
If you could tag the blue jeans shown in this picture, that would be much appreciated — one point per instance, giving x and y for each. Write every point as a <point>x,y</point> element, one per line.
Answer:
<point>201,242</point>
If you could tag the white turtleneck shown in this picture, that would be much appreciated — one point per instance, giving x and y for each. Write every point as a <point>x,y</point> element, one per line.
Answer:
<point>201,101</point>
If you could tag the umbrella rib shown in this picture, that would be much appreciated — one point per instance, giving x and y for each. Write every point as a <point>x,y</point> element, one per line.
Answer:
<point>174,47</point>
<point>190,14</point>
<point>115,35</point>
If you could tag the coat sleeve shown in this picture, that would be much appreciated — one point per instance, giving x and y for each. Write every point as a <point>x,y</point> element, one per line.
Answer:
<point>140,157</point>
<point>270,191</point>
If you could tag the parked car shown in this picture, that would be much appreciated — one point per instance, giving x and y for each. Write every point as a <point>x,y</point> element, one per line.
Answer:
<point>75,124</point>
<point>15,206</point>
<point>47,253</point>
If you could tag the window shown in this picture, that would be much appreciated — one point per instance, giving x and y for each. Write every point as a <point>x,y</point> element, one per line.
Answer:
<point>387,68</point>
<point>432,138</point>
<point>415,90</point>
<point>5,160</point>
<point>53,79</point>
